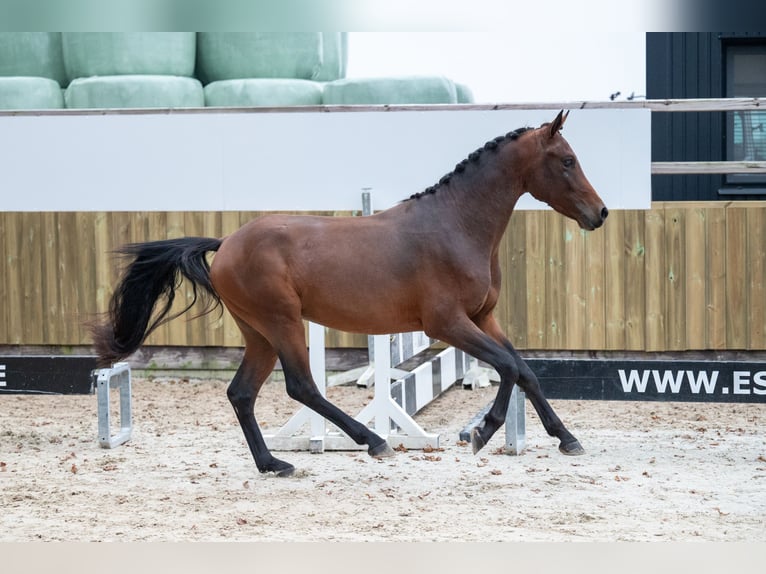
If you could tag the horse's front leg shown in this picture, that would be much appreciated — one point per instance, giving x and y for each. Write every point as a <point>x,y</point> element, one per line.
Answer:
<point>527,382</point>
<point>467,336</point>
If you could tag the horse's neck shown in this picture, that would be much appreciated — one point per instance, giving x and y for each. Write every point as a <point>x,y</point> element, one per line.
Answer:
<point>476,202</point>
<point>484,203</point>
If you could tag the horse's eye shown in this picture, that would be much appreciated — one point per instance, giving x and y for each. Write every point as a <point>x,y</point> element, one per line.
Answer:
<point>568,161</point>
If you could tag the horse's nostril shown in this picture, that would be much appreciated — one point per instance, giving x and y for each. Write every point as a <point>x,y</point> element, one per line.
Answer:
<point>604,213</point>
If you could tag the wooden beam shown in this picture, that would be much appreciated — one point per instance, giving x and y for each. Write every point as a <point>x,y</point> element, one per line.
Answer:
<point>675,167</point>
<point>685,105</point>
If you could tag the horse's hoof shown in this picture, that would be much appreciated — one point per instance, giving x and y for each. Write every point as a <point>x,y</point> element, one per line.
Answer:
<point>285,472</point>
<point>477,443</point>
<point>572,448</point>
<point>383,450</point>
<point>280,468</point>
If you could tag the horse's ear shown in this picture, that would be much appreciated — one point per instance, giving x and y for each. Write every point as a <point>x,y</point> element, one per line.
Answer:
<point>558,123</point>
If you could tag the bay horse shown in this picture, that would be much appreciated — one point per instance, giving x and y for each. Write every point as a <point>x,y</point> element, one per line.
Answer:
<point>428,263</point>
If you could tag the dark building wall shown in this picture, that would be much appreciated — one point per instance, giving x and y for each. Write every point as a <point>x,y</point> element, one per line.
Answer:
<point>685,65</point>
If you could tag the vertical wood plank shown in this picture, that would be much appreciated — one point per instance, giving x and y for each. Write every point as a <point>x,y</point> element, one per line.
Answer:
<point>212,227</point>
<point>86,277</point>
<point>595,290</point>
<point>675,292</point>
<point>176,330</point>
<point>756,257</point>
<point>536,295</point>
<point>555,288</point>
<point>230,222</point>
<point>696,278</point>
<point>105,263</point>
<point>5,272</point>
<point>635,281</point>
<point>512,307</point>
<point>736,278</point>
<point>614,238</point>
<point>656,278</point>
<point>110,236</point>
<point>195,327</point>
<point>715,263</point>
<point>52,327</point>
<point>67,268</point>
<point>141,226</point>
<point>15,301</point>
<point>31,264</point>
<point>574,286</point>
<point>176,222</point>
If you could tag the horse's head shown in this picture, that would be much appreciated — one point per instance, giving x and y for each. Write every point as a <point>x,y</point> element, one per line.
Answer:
<point>554,175</point>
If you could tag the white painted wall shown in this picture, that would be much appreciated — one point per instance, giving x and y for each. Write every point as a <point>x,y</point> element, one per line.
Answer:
<point>210,160</point>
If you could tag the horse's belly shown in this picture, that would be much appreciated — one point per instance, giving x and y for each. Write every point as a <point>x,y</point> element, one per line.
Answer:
<point>362,312</point>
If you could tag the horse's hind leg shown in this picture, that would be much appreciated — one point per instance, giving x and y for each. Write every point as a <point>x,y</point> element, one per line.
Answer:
<point>256,367</point>
<point>300,386</point>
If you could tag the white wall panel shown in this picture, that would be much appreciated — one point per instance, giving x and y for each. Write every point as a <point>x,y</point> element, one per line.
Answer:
<point>313,160</point>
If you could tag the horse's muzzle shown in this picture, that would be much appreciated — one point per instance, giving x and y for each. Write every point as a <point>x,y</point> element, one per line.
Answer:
<point>604,214</point>
<point>594,223</point>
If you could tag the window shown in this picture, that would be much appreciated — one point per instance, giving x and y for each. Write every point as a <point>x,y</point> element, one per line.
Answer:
<point>746,130</point>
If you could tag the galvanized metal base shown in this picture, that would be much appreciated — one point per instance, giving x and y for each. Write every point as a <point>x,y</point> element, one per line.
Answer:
<point>118,377</point>
<point>515,423</point>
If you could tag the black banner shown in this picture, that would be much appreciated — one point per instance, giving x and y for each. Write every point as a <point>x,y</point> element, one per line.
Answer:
<point>651,380</point>
<point>46,375</point>
<point>587,379</point>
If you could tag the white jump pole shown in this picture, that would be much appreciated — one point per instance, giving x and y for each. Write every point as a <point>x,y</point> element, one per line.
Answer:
<point>318,372</point>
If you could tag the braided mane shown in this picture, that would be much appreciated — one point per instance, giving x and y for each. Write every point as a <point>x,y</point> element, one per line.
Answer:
<point>473,157</point>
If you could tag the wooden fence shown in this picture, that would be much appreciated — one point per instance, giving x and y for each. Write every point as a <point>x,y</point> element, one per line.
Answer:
<point>680,276</point>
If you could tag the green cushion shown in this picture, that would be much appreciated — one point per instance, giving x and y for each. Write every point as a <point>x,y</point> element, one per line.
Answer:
<point>237,55</point>
<point>21,93</point>
<point>334,57</point>
<point>116,53</point>
<point>36,54</point>
<point>390,90</point>
<point>464,94</point>
<point>263,92</point>
<point>135,92</point>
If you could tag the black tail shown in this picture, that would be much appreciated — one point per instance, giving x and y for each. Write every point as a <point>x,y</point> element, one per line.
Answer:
<point>156,270</point>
